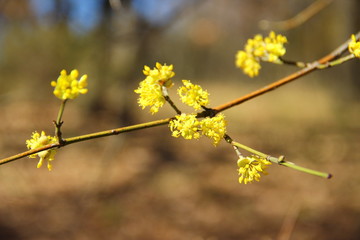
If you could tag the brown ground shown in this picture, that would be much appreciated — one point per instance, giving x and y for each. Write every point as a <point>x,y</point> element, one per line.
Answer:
<point>148,185</point>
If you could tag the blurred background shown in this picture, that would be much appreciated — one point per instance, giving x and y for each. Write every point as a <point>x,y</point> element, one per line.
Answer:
<point>147,184</point>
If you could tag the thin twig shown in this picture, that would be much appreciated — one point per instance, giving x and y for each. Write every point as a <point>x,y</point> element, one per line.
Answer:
<point>297,20</point>
<point>68,141</point>
<point>281,161</point>
<point>294,63</point>
<point>168,99</point>
<point>58,123</point>
<point>308,69</point>
<point>336,61</point>
<point>311,67</point>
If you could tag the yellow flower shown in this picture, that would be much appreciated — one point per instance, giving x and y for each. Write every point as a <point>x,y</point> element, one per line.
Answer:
<point>251,167</point>
<point>161,74</point>
<point>68,87</point>
<point>185,125</point>
<point>256,46</point>
<point>189,127</point>
<point>248,63</point>
<point>39,140</point>
<point>214,128</point>
<point>260,49</point>
<point>150,95</point>
<point>354,46</point>
<point>150,88</point>
<point>274,48</point>
<point>193,95</point>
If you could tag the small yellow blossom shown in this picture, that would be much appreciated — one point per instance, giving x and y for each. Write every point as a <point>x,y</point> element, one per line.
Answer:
<point>193,95</point>
<point>274,48</point>
<point>248,63</point>
<point>214,128</point>
<point>150,95</point>
<point>256,46</point>
<point>150,88</point>
<point>189,127</point>
<point>38,140</point>
<point>185,125</point>
<point>161,74</point>
<point>354,46</point>
<point>258,49</point>
<point>68,87</point>
<point>251,167</point>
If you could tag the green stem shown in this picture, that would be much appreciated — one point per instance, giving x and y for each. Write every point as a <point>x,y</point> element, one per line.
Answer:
<point>260,154</point>
<point>68,141</point>
<point>280,160</point>
<point>336,62</point>
<point>305,170</point>
<point>116,131</point>
<point>61,111</point>
<point>59,121</point>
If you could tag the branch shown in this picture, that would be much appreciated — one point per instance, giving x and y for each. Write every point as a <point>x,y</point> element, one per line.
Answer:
<point>68,141</point>
<point>308,69</point>
<point>281,161</point>
<point>297,20</point>
<point>208,112</point>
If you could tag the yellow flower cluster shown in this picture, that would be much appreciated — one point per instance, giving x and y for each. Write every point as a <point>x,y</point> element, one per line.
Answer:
<point>214,128</point>
<point>186,126</point>
<point>354,46</point>
<point>249,64</point>
<point>189,127</point>
<point>161,74</point>
<point>39,140</point>
<point>193,95</point>
<point>258,49</point>
<point>68,87</point>
<point>251,167</point>
<point>150,89</point>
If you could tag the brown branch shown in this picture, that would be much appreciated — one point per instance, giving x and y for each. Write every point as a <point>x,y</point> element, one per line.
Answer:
<point>297,20</point>
<point>308,69</point>
<point>208,111</point>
